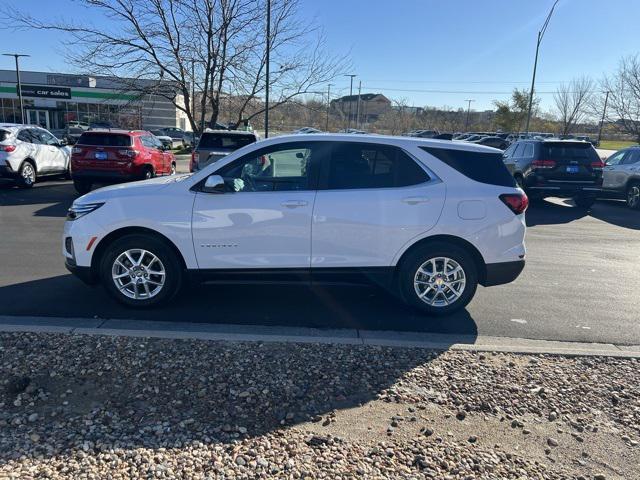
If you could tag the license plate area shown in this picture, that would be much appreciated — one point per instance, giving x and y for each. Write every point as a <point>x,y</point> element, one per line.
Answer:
<point>101,155</point>
<point>573,169</point>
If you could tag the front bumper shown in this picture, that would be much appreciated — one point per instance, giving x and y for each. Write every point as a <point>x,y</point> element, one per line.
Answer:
<point>501,273</point>
<point>85,274</point>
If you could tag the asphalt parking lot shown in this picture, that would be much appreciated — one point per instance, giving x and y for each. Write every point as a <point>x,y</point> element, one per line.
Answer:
<point>581,283</point>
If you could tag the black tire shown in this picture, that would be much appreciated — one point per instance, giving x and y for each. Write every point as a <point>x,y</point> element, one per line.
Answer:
<point>82,186</point>
<point>633,195</point>
<point>173,168</point>
<point>147,173</point>
<point>584,202</point>
<point>27,175</point>
<point>67,173</point>
<point>155,246</point>
<point>408,271</point>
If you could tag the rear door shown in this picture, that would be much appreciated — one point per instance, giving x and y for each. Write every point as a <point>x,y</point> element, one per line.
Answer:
<point>613,172</point>
<point>372,200</point>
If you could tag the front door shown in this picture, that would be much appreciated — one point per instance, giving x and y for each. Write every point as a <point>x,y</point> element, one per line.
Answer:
<point>263,219</point>
<point>372,200</point>
<point>38,117</point>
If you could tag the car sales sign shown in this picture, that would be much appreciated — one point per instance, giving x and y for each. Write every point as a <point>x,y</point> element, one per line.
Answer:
<point>45,91</point>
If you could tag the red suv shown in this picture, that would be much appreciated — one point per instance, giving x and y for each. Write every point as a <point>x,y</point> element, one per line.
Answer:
<point>113,156</point>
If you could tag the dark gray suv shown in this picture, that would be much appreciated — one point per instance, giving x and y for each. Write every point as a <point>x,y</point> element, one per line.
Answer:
<point>216,144</point>
<point>556,168</point>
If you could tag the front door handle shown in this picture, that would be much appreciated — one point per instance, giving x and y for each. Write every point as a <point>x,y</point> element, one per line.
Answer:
<point>295,203</point>
<point>415,200</point>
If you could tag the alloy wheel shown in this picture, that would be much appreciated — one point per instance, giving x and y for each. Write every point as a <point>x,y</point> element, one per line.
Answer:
<point>440,281</point>
<point>138,274</point>
<point>28,174</point>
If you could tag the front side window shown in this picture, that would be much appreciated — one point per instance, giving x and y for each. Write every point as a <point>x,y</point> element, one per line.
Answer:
<point>616,158</point>
<point>632,157</point>
<point>45,138</point>
<point>367,165</point>
<point>284,167</point>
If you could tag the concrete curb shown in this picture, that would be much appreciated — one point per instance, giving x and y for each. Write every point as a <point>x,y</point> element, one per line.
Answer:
<point>262,333</point>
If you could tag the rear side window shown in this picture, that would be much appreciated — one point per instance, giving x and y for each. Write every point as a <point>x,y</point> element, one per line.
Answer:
<point>367,165</point>
<point>569,151</point>
<point>226,141</point>
<point>482,167</point>
<point>105,140</point>
<point>25,135</point>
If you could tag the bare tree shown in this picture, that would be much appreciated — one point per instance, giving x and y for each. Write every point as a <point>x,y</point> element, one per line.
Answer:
<point>623,106</point>
<point>153,46</point>
<point>572,102</point>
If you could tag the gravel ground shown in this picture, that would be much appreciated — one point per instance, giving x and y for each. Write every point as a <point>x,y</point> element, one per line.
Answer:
<point>104,407</point>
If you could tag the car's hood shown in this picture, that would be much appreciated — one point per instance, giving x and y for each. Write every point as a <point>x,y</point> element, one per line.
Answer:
<point>130,189</point>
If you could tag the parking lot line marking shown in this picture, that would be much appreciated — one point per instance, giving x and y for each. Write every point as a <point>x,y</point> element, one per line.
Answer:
<point>519,320</point>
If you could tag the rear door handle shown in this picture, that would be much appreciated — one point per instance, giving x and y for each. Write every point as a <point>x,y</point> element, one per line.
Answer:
<point>295,203</point>
<point>415,200</point>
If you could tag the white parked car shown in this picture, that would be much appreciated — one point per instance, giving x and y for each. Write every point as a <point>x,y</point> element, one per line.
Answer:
<point>28,152</point>
<point>428,219</point>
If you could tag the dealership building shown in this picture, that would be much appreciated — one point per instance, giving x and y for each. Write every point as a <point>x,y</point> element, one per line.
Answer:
<point>52,100</point>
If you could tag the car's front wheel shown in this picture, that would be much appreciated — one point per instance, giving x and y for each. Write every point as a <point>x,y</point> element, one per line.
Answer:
<point>633,196</point>
<point>438,278</point>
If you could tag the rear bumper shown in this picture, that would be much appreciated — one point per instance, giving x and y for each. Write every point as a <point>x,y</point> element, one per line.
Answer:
<point>105,176</point>
<point>503,272</point>
<point>565,190</point>
<point>7,172</point>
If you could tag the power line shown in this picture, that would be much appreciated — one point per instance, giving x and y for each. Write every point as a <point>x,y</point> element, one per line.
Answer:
<point>462,92</point>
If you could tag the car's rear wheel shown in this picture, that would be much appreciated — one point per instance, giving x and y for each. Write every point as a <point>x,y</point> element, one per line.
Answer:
<point>140,271</point>
<point>584,201</point>
<point>147,173</point>
<point>27,174</point>
<point>82,186</point>
<point>438,278</point>
<point>633,196</point>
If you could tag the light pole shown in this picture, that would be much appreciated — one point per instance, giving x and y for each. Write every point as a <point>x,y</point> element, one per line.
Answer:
<point>193,92</point>
<point>358,106</point>
<point>328,105</point>
<point>16,56</point>
<point>350,99</point>
<point>466,123</point>
<point>604,113</point>
<point>535,62</point>
<point>266,96</point>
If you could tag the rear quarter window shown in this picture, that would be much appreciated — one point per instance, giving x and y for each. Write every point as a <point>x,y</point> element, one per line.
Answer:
<point>226,141</point>
<point>483,167</point>
<point>4,134</point>
<point>105,140</point>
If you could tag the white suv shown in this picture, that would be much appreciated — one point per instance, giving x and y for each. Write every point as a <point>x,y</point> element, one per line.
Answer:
<point>28,152</point>
<point>428,219</point>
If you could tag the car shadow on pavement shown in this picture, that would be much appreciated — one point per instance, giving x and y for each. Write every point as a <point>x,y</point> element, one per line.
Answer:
<point>57,197</point>
<point>559,211</point>
<point>351,307</point>
<point>617,213</point>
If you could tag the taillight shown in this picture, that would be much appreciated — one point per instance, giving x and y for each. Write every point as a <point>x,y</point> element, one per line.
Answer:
<point>8,148</point>
<point>76,151</point>
<point>517,202</point>
<point>597,165</point>
<point>541,164</point>
<point>127,152</point>
<point>195,158</point>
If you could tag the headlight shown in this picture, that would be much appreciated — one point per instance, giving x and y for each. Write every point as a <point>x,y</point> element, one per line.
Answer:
<point>81,209</point>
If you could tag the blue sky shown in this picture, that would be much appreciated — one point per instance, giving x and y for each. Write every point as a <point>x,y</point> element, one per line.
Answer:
<point>405,47</point>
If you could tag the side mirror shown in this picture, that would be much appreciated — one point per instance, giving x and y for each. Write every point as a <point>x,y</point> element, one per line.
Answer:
<point>62,142</point>
<point>214,184</point>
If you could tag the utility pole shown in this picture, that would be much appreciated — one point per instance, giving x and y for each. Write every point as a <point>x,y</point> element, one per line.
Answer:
<point>16,56</point>
<point>350,100</point>
<point>266,96</point>
<point>535,63</point>
<point>328,105</point>
<point>358,105</point>
<point>466,123</point>
<point>604,113</point>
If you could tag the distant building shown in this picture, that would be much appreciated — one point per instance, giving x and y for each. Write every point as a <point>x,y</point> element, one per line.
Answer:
<point>52,100</point>
<point>372,106</point>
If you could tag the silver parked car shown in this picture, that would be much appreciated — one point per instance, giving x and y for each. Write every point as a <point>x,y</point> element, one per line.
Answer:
<point>216,144</point>
<point>621,176</point>
<point>28,152</point>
